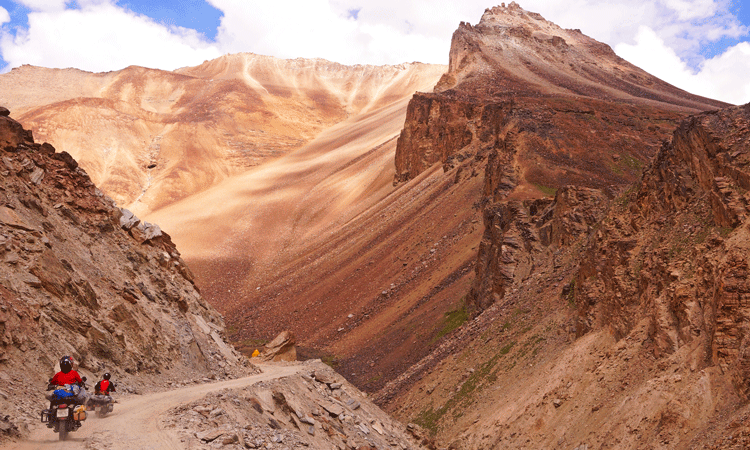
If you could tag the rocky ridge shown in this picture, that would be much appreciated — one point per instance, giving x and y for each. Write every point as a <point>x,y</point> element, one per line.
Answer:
<point>84,278</point>
<point>625,331</point>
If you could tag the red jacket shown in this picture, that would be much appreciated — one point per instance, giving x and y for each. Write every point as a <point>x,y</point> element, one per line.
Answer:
<point>61,378</point>
<point>104,386</point>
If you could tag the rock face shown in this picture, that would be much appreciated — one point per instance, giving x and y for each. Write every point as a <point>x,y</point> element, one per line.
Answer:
<point>536,108</point>
<point>520,236</point>
<point>606,319</point>
<point>280,349</point>
<point>611,315</point>
<point>673,257</point>
<point>499,70</point>
<point>74,281</point>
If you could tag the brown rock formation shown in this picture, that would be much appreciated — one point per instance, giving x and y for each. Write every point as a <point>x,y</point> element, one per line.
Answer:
<point>607,319</point>
<point>638,324</point>
<point>281,348</point>
<point>673,256</point>
<point>521,236</point>
<point>499,72</point>
<point>539,108</point>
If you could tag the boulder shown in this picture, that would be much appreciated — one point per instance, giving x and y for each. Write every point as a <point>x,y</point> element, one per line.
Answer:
<point>128,220</point>
<point>280,349</point>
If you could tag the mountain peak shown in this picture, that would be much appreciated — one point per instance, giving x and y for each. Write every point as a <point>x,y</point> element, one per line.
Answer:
<point>514,52</point>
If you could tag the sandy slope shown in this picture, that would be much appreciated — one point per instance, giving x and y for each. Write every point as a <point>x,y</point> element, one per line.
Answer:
<point>150,137</point>
<point>294,199</point>
<point>135,423</point>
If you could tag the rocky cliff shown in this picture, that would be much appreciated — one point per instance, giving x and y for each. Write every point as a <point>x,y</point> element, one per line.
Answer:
<point>615,322</point>
<point>670,261</point>
<point>536,108</point>
<point>611,111</point>
<point>84,278</point>
<point>608,314</point>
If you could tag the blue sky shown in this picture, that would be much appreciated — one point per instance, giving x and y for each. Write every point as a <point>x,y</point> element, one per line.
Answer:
<point>699,45</point>
<point>196,14</point>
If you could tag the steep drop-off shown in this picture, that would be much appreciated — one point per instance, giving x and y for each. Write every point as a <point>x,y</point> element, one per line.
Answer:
<point>605,318</point>
<point>630,333</point>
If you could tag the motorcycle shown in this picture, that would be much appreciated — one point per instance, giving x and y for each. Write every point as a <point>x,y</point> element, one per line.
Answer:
<point>101,404</point>
<point>65,413</point>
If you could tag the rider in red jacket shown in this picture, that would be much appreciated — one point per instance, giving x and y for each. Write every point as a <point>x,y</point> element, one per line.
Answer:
<point>66,375</point>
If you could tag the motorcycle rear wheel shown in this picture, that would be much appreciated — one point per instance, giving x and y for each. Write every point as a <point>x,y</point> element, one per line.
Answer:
<point>63,433</point>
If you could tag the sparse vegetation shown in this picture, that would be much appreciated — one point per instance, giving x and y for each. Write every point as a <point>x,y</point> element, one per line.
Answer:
<point>430,417</point>
<point>454,319</point>
<point>546,190</point>
<point>571,295</point>
<point>331,360</point>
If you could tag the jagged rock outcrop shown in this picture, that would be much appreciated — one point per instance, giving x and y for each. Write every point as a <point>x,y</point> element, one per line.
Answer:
<point>521,236</point>
<point>535,108</point>
<point>512,52</point>
<point>499,72</point>
<point>633,335</point>
<point>608,317</point>
<point>281,348</point>
<point>673,257</point>
<point>75,281</point>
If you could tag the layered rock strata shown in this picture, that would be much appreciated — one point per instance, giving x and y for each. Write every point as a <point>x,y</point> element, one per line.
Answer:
<point>535,108</point>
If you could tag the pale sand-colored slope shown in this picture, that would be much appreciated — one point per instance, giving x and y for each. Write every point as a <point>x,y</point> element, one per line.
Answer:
<point>150,137</point>
<point>293,200</point>
<point>135,422</point>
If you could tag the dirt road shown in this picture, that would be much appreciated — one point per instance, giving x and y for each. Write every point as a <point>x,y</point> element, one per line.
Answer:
<point>135,422</point>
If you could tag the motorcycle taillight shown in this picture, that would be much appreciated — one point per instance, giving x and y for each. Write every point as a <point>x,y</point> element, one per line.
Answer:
<point>62,406</point>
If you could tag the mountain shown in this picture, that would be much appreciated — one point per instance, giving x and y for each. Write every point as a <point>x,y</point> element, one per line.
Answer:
<point>456,284</point>
<point>607,315</point>
<point>150,137</point>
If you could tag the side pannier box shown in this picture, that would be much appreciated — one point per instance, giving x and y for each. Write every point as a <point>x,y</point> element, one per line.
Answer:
<point>79,413</point>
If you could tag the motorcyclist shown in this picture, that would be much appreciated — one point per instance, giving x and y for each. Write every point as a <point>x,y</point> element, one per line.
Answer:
<point>104,386</point>
<point>67,376</point>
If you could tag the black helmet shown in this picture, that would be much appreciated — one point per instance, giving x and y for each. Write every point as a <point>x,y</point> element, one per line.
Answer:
<point>106,376</point>
<point>66,364</point>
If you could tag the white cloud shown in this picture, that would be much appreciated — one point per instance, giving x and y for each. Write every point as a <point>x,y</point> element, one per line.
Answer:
<point>100,36</point>
<point>722,77</point>
<point>319,28</point>
<point>664,37</point>
<point>4,15</point>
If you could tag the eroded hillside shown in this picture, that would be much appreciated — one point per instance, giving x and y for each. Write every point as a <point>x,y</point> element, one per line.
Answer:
<point>149,137</point>
<point>630,333</point>
<point>374,275</point>
<point>80,278</point>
